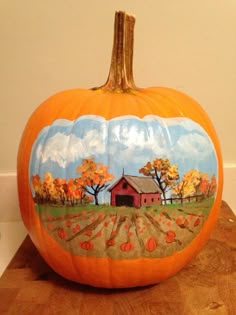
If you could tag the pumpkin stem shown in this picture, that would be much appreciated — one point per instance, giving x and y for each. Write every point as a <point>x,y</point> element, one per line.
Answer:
<point>120,78</point>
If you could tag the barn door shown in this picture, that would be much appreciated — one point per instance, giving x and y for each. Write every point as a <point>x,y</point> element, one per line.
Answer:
<point>124,200</point>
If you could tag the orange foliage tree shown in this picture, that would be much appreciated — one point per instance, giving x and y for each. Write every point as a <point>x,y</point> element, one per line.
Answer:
<point>208,186</point>
<point>94,177</point>
<point>59,184</point>
<point>59,190</point>
<point>38,188</point>
<point>75,192</point>
<point>163,172</point>
<point>48,187</point>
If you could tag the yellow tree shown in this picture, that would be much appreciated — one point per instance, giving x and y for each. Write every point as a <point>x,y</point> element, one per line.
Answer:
<point>188,185</point>
<point>192,183</point>
<point>163,172</point>
<point>180,189</point>
<point>94,177</point>
<point>193,180</point>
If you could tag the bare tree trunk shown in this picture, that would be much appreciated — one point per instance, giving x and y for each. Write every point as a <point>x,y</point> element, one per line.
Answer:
<point>96,199</point>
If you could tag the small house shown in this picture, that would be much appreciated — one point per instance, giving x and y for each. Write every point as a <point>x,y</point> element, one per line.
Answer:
<point>135,191</point>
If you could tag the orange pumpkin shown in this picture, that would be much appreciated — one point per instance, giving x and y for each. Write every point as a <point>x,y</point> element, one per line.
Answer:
<point>118,179</point>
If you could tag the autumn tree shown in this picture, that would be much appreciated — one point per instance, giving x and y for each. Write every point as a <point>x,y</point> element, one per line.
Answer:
<point>44,189</point>
<point>59,188</point>
<point>48,187</point>
<point>208,186</point>
<point>213,186</point>
<point>75,192</point>
<point>194,182</point>
<point>163,172</point>
<point>80,192</point>
<point>180,189</point>
<point>38,188</point>
<point>94,177</point>
<point>188,185</point>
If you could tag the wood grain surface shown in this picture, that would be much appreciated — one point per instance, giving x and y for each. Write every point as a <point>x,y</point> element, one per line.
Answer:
<point>205,286</point>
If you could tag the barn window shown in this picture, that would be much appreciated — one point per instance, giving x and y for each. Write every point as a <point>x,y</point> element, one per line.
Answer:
<point>145,200</point>
<point>124,185</point>
<point>152,199</point>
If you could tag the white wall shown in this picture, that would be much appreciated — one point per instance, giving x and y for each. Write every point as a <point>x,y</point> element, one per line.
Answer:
<point>47,46</point>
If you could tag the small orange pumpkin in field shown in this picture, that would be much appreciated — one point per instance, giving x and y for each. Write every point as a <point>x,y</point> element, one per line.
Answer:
<point>118,179</point>
<point>151,244</point>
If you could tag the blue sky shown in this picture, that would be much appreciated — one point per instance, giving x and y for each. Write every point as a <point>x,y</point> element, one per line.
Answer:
<point>125,142</point>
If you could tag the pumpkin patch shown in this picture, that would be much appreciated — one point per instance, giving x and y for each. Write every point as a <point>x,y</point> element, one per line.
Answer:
<point>156,231</point>
<point>117,179</point>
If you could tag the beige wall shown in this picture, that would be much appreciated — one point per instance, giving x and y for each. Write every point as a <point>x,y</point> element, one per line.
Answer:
<point>50,45</point>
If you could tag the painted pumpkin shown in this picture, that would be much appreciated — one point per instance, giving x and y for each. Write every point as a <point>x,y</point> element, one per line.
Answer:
<point>119,186</point>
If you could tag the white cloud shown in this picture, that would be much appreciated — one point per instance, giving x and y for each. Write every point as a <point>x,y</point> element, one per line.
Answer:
<point>64,149</point>
<point>193,146</point>
<point>128,140</point>
<point>132,143</point>
<point>158,141</point>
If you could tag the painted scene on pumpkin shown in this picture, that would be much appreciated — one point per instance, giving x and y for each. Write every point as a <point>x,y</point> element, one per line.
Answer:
<point>126,187</point>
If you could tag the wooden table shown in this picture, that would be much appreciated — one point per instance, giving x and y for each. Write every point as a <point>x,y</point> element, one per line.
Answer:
<point>205,286</point>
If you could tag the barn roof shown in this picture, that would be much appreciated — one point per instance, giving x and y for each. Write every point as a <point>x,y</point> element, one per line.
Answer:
<point>140,183</point>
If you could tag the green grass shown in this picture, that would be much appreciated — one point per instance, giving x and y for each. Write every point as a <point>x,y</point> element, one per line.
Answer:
<point>56,210</point>
<point>204,206</point>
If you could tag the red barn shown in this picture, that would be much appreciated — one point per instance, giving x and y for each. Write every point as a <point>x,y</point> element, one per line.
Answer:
<point>135,191</point>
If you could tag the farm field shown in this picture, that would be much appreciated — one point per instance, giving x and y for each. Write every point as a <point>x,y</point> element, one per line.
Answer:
<point>124,232</point>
